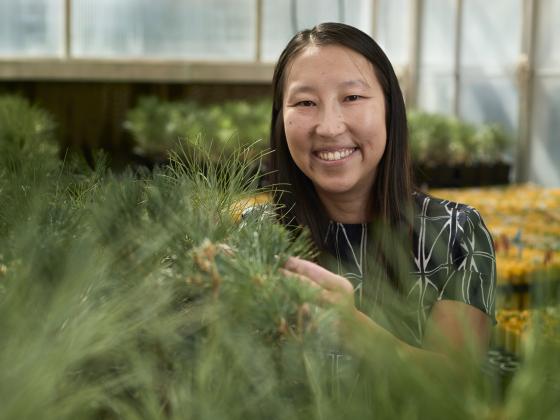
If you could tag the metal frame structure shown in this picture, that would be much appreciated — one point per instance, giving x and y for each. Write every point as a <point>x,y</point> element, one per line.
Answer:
<point>135,70</point>
<point>525,80</point>
<point>457,56</point>
<point>69,68</point>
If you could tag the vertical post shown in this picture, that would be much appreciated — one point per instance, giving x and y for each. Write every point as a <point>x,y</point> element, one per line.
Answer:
<point>258,29</point>
<point>414,45</point>
<point>67,29</point>
<point>525,80</point>
<point>374,17</point>
<point>457,56</point>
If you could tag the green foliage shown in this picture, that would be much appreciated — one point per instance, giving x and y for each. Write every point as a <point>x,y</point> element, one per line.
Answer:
<point>159,127</point>
<point>26,134</point>
<point>106,303</point>
<point>119,299</point>
<point>28,158</point>
<point>437,139</point>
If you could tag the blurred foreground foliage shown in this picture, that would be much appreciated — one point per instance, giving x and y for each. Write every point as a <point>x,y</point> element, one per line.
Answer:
<point>119,300</point>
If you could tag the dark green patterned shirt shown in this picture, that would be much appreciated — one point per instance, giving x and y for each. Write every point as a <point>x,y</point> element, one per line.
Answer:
<point>452,258</point>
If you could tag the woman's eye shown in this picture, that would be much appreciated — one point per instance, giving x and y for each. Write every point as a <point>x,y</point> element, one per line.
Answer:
<point>352,98</point>
<point>305,103</point>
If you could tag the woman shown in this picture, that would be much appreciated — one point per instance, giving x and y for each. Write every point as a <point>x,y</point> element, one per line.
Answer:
<point>339,133</point>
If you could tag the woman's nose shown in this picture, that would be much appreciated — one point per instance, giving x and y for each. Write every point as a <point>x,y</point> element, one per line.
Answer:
<point>331,122</point>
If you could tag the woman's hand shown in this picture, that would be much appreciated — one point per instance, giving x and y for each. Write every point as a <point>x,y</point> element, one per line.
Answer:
<point>334,289</point>
<point>444,338</point>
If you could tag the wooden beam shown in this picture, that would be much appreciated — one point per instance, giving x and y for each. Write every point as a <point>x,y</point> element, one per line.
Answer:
<point>258,29</point>
<point>374,18</point>
<point>457,57</point>
<point>67,28</point>
<point>414,51</point>
<point>136,70</point>
<point>525,80</point>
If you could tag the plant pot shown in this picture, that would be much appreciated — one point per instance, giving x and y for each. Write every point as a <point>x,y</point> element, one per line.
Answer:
<point>461,175</point>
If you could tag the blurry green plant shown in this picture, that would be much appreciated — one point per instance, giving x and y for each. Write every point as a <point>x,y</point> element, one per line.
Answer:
<point>491,143</point>
<point>437,139</point>
<point>160,127</point>
<point>118,299</point>
<point>26,134</point>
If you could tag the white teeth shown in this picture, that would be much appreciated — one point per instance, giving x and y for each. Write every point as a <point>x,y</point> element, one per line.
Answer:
<point>339,154</point>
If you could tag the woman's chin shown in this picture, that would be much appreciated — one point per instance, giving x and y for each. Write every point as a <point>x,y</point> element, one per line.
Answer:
<point>335,189</point>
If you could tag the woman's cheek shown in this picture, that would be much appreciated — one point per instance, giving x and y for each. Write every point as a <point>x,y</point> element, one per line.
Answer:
<point>288,120</point>
<point>293,128</point>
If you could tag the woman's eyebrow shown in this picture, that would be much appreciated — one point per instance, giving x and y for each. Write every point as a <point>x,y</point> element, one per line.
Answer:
<point>353,83</point>
<point>300,89</point>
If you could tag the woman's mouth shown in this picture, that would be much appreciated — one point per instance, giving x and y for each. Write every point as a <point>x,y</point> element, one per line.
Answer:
<point>335,155</point>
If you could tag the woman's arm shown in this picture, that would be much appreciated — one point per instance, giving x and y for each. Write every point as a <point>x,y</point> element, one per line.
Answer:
<point>455,326</point>
<point>451,327</point>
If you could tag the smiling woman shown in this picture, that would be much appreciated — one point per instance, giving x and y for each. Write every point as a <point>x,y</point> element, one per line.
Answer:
<point>335,126</point>
<point>341,159</point>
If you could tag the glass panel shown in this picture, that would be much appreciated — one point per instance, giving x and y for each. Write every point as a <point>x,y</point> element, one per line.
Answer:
<point>194,29</point>
<point>435,83</point>
<point>359,14</point>
<point>435,93</point>
<point>489,99</point>
<point>283,18</point>
<point>491,33</point>
<point>278,26</point>
<point>548,34</point>
<point>32,28</point>
<point>393,27</point>
<point>545,148</point>
<point>438,37</point>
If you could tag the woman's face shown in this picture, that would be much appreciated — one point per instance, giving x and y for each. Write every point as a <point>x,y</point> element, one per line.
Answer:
<point>334,120</point>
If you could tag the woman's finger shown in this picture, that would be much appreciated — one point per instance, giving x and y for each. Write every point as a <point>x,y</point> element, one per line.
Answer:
<point>325,296</point>
<point>300,277</point>
<point>319,275</point>
<point>328,297</point>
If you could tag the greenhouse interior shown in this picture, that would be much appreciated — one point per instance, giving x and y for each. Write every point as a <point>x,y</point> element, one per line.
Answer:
<point>187,185</point>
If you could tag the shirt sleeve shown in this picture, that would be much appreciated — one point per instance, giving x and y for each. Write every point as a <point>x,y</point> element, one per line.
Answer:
<point>472,275</point>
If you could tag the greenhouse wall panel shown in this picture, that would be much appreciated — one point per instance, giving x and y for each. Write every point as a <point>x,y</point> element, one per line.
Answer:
<point>487,98</point>
<point>491,36</point>
<point>197,29</point>
<point>490,49</point>
<point>437,46</point>
<point>435,92</point>
<point>32,28</point>
<point>282,18</point>
<point>545,151</point>
<point>393,29</point>
<point>545,147</point>
<point>438,35</point>
<point>548,35</point>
